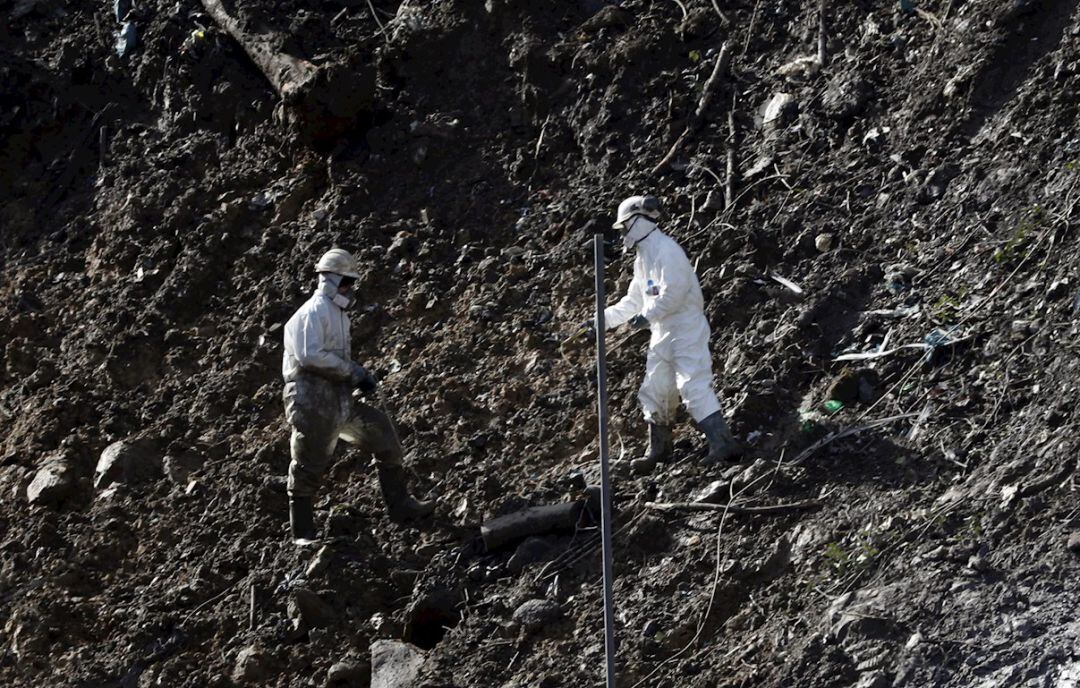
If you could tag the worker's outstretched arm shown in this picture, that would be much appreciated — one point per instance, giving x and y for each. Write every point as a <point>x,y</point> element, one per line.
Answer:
<point>676,276</point>
<point>310,351</point>
<point>629,305</point>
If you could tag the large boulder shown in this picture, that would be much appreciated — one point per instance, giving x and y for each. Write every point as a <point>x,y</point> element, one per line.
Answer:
<point>128,462</point>
<point>54,482</point>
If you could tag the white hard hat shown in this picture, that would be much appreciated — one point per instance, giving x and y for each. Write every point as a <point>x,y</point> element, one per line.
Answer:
<point>649,206</point>
<point>339,262</point>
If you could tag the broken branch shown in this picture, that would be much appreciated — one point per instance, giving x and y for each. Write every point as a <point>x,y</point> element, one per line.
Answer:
<point>322,99</point>
<point>728,508</point>
<point>720,68</point>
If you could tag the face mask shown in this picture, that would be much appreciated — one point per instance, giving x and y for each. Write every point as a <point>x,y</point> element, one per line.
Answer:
<point>344,302</point>
<point>635,233</point>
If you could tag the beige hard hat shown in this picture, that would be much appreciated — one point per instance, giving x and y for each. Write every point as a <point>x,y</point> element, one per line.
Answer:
<point>339,262</point>
<point>649,206</point>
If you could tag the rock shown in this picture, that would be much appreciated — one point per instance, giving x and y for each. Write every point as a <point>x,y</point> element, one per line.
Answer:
<point>54,482</point>
<point>530,551</point>
<point>535,614</point>
<point>350,672</point>
<point>126,462</point>
<point>938,182</point>
<point>844,387</point>
<point>307,610</point>
<point>716,492</point>
<point>395,664</point>
<point>1074,542</point>
<point>861,614</point>
<point>898,277</point>
<point>845,97</point>
<point>1058,289</point>
<point>179,468</point>
<point>650,629</point>
<point>775,564</point>
<point>251,666</point>
<point>779,110</point>
<point>824,242</point>
<point>873,679</point>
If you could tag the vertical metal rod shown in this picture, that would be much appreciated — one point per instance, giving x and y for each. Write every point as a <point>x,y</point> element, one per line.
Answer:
<point>605,476</point>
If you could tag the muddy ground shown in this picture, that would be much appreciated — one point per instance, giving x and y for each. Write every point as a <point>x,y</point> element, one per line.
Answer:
<point>160,212</point>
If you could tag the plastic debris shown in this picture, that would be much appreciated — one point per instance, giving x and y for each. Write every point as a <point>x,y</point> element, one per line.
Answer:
<point>834,405</point>
<point>787,283</point>
<point>127,39</point>
<point>121,8</point>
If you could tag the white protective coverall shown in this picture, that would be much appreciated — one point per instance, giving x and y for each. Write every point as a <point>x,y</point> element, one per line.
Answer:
<point>318,370</point>
<point>666,292</point>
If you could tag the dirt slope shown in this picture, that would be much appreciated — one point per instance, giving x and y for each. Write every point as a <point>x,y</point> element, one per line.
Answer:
<point>158,221</point>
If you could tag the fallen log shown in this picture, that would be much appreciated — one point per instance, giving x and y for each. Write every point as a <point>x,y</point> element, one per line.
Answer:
<point>532,521</point>
<point>321,101</point>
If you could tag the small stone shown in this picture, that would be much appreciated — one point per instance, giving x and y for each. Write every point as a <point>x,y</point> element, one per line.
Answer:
<point>779,110</point>
<point>307,611</point>
<point>349,672</point>
<point>875,679</point>
<point>126,462</point>
<point>716,492</point>
<point>823,242</point>
<point>535,614</point>
<point>1074,542</point>
<point>179,468</point>
<point>250,666</point>
<point>532,550</point>
<point>54,482</point>
<point>1058,289</point>
<point>650,629</point>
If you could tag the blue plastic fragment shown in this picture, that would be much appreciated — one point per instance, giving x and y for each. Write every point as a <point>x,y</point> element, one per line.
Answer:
<point>126,39</point>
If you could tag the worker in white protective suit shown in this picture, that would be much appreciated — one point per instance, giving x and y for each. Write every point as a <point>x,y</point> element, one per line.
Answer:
<point>665,298</point>
<point>320,377</point>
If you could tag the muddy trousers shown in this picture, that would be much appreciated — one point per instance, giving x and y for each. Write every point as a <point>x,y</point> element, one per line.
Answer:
<point>321,412</point>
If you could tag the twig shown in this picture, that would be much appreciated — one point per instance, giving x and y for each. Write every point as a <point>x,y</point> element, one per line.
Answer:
<point>720,68</point>
<point>821,56</point>
<point>681,7</point>
<point>848,432</point>
<point>729,183</point>
<point>382,27</point>
<point>720,13</point>
<point>728,508</point>
<point>750,29</point>
<point>251,609</point>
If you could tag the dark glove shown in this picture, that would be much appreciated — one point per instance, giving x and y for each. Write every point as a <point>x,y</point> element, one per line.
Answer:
<point>638,322</point>
<point>362,379</point>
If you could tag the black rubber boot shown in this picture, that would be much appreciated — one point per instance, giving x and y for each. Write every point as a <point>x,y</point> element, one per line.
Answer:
<point>302,519</point>
<point>722,445</point>
<point>399,503</point>
<point>659,449</point>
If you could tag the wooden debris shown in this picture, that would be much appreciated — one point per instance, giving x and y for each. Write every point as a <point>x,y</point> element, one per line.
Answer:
<point>532,521</point>
<point>806,505</point>
<point>720,68</point>
<point>321,100</point>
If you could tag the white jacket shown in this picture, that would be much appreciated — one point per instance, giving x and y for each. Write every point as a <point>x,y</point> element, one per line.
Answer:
<point>317,337</point>
<point>664,288</point>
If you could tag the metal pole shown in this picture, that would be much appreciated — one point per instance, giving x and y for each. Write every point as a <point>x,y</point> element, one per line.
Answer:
<point>605,476</point>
